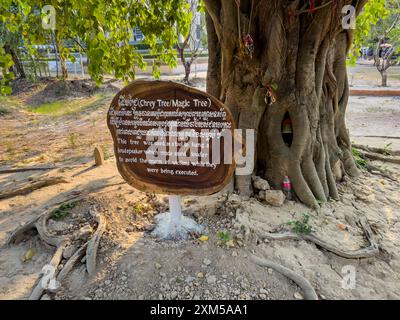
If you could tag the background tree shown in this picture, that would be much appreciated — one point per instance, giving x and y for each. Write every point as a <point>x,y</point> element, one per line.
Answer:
<point>385,37</point>
<point>294,52</point>
<point>192,45</point>
<point>11,41</point>
<point>103,29</point>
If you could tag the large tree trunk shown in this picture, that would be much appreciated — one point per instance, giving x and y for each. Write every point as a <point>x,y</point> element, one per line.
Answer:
<point>301,58</point>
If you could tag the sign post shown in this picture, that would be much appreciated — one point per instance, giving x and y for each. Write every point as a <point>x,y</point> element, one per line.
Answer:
<point>172,139</point>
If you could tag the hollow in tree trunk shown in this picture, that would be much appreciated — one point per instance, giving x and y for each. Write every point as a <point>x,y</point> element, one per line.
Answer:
<point>298,57</point>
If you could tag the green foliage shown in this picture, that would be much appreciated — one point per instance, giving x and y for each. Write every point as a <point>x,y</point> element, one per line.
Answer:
<point>3,111</point>
<point>223,237</point>
<point>360,162</point>
<point>103,30</point>
<point>138,208</point>
<point>374,15</point>
<point>62,210</point>
<point>106,153</point>
<point>387,147</point>
<point>302,226</point>
<point>72,137</point>
<point>68,106</point>
<point>5,64</point>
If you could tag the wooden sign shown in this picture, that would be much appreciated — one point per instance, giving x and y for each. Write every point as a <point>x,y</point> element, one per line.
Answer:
<point>167,138</point>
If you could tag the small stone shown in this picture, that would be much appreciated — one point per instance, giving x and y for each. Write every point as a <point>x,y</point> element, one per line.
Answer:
<point>69,251</point>
<point>200,275</point>
<point>149,227</point>
<point>107,282</point>
<point>270,270</point>
<point>207,262</point>
<point>211,279</point>
<point>157,265</point>
<point>234,254</point>
<point>274,197</point>
<point>298,296</point>
<point>83,233</point>
<point>98,156</point>
<point>263,291</point>
<point>244,285</point>
<point>365,194</point>
<point>262,296</point>
<point>260,183</point>
<point>45,297</point>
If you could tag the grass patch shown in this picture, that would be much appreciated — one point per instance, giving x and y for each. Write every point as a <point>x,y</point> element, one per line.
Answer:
<point>69,107</point>
<point>223,237</point>
<point>301,226</point>
<point>7,103</point>
<point>62,211</point>
<point>138,208</point>
<point>72,139</point>
<point>3,111</point>
<point>106,154</point>
<point>360,162</point>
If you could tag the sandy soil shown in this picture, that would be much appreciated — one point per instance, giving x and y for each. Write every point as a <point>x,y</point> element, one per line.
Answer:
<point>134,265</point>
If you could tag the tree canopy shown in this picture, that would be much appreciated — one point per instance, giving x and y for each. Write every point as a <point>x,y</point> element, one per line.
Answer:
<point>101,28</point>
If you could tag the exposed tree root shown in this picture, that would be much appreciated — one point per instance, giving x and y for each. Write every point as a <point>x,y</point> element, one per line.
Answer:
<point>60,243</point>
<point>375,156</point>
<point>45,234</point>
<point>377,150</point>
<point>19,234</point>
<point>384,173</point>
<point>371,251</point>
<point>71,262</point>
<point>32,186</point>
<point>303,283</point>
<point>13,170</point>
<point>93,244</point>
<point>54,262</point>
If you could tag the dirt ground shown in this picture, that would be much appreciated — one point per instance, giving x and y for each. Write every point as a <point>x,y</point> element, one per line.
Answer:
<point>131,264</point>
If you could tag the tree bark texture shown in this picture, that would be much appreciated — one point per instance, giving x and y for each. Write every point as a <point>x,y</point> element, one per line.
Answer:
<point>299,58</point>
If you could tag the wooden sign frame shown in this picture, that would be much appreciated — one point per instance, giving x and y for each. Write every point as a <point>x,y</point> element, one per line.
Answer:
<point>208,181</point>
